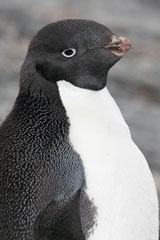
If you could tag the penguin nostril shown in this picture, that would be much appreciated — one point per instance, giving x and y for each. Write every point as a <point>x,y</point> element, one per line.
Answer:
<point>117,43</point>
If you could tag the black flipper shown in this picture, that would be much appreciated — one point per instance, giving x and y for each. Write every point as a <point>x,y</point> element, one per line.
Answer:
<point>60,221</point>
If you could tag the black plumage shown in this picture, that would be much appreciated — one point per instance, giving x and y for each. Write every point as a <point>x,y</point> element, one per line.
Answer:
<point>42,181</point>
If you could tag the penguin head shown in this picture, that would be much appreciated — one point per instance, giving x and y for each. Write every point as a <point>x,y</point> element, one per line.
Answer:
<point>78,51</point>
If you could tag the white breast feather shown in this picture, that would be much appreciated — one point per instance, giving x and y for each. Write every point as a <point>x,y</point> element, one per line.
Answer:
<point>117,175</point>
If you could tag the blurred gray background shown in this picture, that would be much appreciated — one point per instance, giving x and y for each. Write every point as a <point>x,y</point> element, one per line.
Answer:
<point>134,81</point>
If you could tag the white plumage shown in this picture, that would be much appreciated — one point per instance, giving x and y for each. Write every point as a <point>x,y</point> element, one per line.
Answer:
<point>117,175</point>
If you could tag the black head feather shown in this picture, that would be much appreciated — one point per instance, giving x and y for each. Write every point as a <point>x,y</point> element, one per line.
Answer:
<point>88,68</point>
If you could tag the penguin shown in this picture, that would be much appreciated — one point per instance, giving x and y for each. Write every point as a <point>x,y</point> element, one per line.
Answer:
<point>69,169</point>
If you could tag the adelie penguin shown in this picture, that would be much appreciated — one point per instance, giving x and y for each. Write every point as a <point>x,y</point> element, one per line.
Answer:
<point>69,169</point>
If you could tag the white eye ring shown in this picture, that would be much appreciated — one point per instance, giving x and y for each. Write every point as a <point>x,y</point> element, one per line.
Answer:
<point>70,52</point>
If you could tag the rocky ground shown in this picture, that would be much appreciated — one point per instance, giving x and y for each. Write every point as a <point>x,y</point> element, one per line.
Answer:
<point>134,81</point>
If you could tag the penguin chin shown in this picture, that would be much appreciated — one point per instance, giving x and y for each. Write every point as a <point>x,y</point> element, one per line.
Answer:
<point>90,82</point>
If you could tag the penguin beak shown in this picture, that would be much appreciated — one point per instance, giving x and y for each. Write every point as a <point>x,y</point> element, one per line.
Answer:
<point>119,45</point>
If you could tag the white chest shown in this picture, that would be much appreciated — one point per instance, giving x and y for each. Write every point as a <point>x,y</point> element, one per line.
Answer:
<point>117,175</point>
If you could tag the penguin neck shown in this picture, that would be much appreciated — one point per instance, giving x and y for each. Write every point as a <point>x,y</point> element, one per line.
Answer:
<point>33,83</point>
<point>39,98</point>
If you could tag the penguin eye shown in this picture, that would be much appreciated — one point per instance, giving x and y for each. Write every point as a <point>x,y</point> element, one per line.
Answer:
<point>70,52</point>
